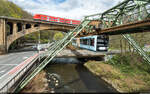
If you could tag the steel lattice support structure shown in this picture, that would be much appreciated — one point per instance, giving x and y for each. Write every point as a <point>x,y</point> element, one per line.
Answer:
<point>126,12</point>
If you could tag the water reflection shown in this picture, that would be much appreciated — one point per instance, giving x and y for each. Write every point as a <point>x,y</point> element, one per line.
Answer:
<point>75,78</point>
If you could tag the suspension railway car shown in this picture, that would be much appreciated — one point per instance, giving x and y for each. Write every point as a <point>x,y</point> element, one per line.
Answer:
<point>55,19</point>
<point>94,43</point>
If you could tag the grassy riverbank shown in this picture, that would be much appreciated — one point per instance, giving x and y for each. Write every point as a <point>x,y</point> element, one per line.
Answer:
<point>37,85</point>
<point>123,75</point>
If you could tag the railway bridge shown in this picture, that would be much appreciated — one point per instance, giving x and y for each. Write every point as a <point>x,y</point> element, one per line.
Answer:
<point>13,28</point>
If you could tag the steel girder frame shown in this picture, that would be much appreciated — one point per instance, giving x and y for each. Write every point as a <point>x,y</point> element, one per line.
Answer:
<point>128,11</point>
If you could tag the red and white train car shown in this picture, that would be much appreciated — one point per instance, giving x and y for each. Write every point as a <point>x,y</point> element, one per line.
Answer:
<point>55,19</point>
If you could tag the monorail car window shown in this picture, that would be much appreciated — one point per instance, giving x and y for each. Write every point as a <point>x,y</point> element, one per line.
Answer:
<point>92,41</point>
<point>81,41</point>
<point>85,41</point>
<point>100,40</point>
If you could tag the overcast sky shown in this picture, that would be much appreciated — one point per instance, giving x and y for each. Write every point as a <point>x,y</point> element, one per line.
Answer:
<point>73,9</point>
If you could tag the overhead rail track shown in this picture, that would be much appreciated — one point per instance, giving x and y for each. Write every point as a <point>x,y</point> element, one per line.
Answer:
<point>126,13</point>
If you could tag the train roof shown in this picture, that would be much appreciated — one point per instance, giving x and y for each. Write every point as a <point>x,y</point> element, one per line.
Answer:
<point>56,17</point>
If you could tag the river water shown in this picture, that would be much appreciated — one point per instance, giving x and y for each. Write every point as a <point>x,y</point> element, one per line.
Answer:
<point>75,78</point>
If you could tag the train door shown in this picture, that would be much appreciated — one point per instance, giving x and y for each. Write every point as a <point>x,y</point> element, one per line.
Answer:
<point>58,20</point>
<point>78,42</point>
<point>102,43</point>
<point>47,18</point>
<point>70,21</point>
<point>92,44</point>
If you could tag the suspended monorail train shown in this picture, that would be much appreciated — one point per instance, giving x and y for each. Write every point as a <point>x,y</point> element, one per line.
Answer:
<point>94,43</point>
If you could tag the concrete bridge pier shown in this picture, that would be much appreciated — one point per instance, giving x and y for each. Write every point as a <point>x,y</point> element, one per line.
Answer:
<point>3,42</point>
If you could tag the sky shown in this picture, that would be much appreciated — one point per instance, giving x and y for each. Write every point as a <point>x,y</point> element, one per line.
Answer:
<point>73,9</point>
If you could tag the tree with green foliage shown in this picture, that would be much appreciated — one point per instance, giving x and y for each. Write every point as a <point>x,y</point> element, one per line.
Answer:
<point>58,36</point>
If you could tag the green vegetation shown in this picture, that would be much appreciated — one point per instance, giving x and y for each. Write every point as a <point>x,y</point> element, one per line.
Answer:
<point>45,36</point>
<point>125,72</point>
<point>118,42</point>
<point>58,36</point>
<point>10,9</point>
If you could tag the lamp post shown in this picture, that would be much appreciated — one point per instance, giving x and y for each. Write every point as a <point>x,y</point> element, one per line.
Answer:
<point>39,36</point>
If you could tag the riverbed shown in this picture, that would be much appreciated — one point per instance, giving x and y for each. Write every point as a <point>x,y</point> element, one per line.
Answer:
<point>75,78</point>
<point>71,76</point>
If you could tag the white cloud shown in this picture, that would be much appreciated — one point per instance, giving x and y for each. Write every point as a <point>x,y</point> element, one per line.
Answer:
<point>74,9</point>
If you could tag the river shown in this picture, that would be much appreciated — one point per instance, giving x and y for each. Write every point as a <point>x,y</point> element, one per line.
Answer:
<point>75,78</point>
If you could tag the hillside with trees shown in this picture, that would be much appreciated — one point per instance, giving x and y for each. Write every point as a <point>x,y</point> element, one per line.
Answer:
<point>10,9</point>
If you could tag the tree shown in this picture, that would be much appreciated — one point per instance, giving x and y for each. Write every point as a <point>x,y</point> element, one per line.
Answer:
<point>58,36</point>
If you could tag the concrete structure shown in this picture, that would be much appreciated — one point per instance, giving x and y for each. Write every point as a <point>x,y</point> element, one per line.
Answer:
<point>12,29</point>
<point>66,53</point>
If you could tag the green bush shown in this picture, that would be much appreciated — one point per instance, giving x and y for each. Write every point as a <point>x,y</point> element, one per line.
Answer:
<point>130,64</point>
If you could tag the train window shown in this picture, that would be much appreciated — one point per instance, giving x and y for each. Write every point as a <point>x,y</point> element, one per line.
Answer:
<point>85,41</point>
<point>100,40</point>
<point>81,41</point>
<point>62,20</point>
<point>92,42</point>
<point>58,20</point>
<point>55,19</point>
<point>44,18</point>
<point>47,18</point>
<point>52,19</point>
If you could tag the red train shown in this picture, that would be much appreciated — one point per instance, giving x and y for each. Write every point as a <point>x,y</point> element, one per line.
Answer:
<point>55,19</point>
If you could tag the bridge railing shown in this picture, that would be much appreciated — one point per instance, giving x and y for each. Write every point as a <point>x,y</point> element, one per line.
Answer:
<point>8,86</point>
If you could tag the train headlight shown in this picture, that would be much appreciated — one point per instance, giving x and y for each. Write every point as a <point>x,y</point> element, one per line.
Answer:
<point>102,48</point>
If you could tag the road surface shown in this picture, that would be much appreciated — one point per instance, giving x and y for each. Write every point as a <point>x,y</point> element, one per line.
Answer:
<point>11,63</point>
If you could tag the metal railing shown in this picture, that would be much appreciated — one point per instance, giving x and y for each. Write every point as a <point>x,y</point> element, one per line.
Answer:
<point>7,88</point>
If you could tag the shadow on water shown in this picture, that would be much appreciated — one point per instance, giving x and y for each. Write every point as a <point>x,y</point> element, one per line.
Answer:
<point>74,77</point>
<point>74,60</point>
<point>92,82</point>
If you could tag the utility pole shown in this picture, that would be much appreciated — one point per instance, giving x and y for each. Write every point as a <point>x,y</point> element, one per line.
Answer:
<point>39,37</point>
